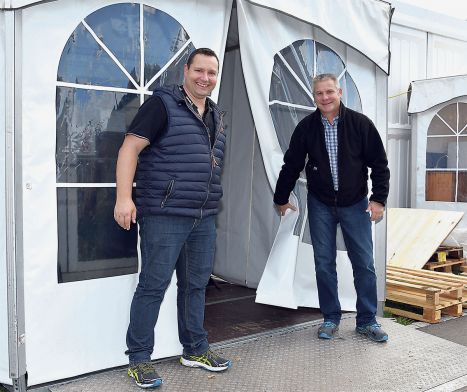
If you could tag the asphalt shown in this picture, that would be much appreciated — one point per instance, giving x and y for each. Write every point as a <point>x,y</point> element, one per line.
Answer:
<point>454,330</point>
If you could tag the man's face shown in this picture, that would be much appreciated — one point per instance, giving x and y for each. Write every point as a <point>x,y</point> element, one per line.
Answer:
<point>327,97</point>
<point>201,77</point>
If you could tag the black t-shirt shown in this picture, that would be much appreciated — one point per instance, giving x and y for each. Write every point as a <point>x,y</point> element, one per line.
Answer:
<point>150,121</point>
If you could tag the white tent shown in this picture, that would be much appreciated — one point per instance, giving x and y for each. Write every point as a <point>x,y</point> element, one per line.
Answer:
<point>438,108</point>
<point>72,75</point>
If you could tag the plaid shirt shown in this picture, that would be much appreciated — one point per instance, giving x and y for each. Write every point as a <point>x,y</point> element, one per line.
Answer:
<point>330,134</point>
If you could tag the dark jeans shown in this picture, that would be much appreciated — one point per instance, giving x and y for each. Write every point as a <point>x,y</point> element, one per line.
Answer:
<point>356,229</point>
<point>167,243</point>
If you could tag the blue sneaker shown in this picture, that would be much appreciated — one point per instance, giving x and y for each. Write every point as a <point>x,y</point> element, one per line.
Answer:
<point>374,332</point>
<point>327,330</point>
<point>145,375</point>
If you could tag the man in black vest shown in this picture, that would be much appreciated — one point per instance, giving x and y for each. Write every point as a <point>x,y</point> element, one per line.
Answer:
<point>174,151</point>
<point>340,145</point>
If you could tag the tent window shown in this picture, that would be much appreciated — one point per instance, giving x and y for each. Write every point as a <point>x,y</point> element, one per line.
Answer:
<point>290,99</point>
<point>446,155</point>
<point>110,64</point>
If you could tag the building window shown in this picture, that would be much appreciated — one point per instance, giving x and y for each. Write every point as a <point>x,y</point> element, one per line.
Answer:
<point>111,63</point>
<point>446,155</point>
<point>291,99</point>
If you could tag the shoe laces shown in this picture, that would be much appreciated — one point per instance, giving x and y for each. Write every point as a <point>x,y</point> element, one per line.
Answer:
<point>329,324</point>
<point>211,354</point>
<point>146,367</point>
<point>374,326</point>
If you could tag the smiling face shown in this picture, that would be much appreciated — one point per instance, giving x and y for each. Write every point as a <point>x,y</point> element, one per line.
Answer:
<point>327,97</point>
<point>201,76</point>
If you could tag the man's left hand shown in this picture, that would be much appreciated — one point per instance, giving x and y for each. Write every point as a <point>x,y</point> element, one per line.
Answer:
<point>376,210</point>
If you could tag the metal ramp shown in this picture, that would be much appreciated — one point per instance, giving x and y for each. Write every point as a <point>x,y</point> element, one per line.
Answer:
<point>294,359</point>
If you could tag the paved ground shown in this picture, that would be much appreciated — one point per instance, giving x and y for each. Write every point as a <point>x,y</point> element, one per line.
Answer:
<point>293,359</point>
<point>454,330</point>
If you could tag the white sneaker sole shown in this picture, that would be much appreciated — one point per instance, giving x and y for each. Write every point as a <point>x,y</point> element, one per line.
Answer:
<point>195,364</point>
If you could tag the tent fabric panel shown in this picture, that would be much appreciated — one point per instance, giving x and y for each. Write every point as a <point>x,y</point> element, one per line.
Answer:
<point>4,359</point>
<point>72,311</point>
<point>264,221</point>
<point>233,222</point>
<point>14,4</point>
<point>247,222</point>
<point>420,122</point>
<point>285,279</point>
<point>362,24</point>
<point>427,93</point>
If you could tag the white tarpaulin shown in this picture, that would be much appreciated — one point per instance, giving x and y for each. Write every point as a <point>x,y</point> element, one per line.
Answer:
<point>82,324</point>
<point>15,4</point>
<point>424,94</point>
<point>438,109</point>
<point>277,76</point>
<point>362,24</point>
<point>80,86</point>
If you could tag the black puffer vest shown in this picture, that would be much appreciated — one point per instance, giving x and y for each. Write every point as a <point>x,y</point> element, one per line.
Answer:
<point>180,173</point>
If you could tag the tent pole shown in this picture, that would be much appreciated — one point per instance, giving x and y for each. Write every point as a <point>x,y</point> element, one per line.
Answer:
<point>13,202</point>
<point>381,121</point>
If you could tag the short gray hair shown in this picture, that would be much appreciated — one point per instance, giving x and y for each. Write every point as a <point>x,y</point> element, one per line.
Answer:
<point>325,76</point>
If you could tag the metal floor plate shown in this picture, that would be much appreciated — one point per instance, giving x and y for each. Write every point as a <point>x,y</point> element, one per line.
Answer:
<point>294,359</point>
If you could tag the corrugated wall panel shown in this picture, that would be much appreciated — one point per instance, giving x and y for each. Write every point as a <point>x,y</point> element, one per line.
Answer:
<point>398,149</point>
<point>408,62</point>
<point>446,56</point>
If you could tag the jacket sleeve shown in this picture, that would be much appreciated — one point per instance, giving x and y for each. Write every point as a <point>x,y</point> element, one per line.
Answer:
<point>376,160</point>
<point>294,162</point>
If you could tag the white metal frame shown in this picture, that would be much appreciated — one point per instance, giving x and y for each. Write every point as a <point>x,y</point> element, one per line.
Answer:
<point>13,201</point>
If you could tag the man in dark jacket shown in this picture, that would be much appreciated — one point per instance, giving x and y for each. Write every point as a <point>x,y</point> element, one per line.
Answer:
<point>174,150</point>
<point>340,145</point>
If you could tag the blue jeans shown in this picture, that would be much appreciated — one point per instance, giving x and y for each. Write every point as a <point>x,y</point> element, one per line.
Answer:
<point>356,229</point>
<point>167,243</point>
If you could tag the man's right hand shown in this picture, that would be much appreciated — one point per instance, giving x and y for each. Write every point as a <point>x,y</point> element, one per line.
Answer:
<point>284,207</point>
<point>125,213</point>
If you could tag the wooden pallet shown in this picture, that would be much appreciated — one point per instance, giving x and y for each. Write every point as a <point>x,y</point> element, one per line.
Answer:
<point>445,266</point>
<point>437,276</point>
<point>422,297</point>
<point>452,252</point>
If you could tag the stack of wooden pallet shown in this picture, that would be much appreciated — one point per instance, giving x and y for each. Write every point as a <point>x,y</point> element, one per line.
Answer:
<point>424,295</point>
<point>446,258</point>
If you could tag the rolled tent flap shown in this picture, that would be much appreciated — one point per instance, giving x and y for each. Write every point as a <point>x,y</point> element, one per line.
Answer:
<point>362,24</point>
<point>426,93</point>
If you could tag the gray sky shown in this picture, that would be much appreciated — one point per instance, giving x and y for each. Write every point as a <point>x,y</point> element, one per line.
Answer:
<point>455,8</point>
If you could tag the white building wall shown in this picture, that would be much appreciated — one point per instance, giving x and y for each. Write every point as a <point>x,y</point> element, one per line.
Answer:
<point>424,45</point>
<point>408,62</point>
<point>447,56</point>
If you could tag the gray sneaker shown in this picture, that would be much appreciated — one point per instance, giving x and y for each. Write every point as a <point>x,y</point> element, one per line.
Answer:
<point>374,332</point>
<point>327,330</point>
<point>209,361</point>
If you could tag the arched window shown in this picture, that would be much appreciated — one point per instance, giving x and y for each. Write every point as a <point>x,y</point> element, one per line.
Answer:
<point>446,155</point>
<point>291,99</point>
<point>111,63</point>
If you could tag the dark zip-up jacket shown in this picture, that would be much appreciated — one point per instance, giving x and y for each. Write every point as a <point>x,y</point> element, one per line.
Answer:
<point>359,148</point>
<point>179,174</point>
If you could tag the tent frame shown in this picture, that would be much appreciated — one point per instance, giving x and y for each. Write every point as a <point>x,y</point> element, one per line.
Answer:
<point>13,203</point>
